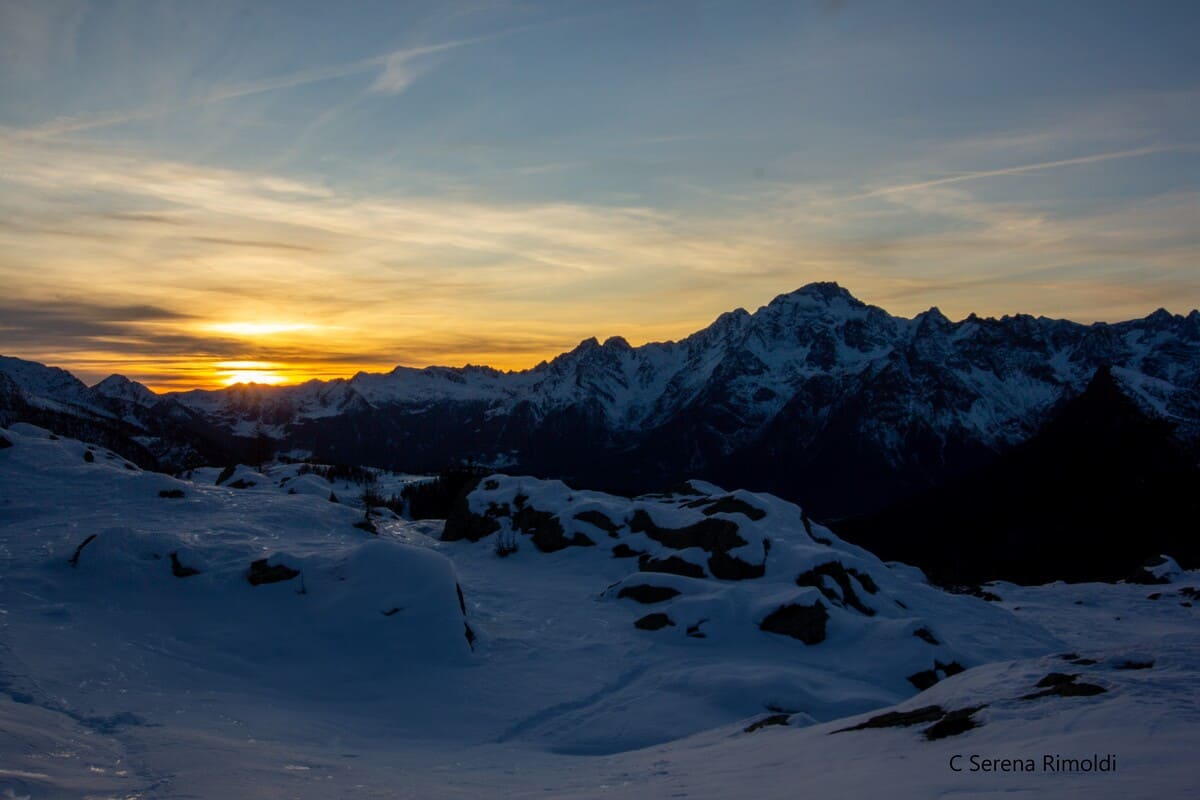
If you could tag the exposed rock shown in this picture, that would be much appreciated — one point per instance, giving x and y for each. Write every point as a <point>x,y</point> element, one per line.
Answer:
<point>707,534</point>
<point>928,677</point>
<point>1055,679</point>
<point>695,632</point>
<point>180,570</point>
<point>898,719</point>
<point>654,622</point>
<point>808,528</point>
<point>841,576</point>
<point>865,580</point>
<point>88,456</point>
<point>954,723</point>
<point>623,550</point>
<point>731,568</point>
<point>952,668</point>
<point>728,505</point>
<point>1135,665</point>
<point>806,623</point>
<point>645,593</point>
<point>74,561</point>
<point>261,572</point>
<point>5,443</point>
<point>1070,689</point>
<point>926,635</point>
<point>546,531</point>
<point>226,474</point>
<point>600,520</point>
<point>773,719</point>
<point>672,565</point>
<point>174,494</point>
<point>923,679</point>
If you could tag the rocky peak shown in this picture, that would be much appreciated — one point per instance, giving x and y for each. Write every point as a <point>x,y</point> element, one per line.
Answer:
<point>931,321</point>
<point>118,387</point>
<point>824,291</point>
<point>617,343</point>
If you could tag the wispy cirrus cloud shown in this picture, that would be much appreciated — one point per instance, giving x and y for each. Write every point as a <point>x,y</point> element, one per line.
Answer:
<point>1020,169</point>
<point>397,70</point>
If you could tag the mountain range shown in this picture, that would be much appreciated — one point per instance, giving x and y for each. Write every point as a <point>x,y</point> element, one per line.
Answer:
<point>816,396</point>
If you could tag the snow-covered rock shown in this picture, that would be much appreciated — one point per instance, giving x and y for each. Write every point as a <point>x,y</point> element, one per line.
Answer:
<point>146,657</point>
<point>713,572</point>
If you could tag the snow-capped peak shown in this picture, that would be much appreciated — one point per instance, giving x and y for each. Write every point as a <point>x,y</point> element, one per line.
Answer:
<point>118,387</point>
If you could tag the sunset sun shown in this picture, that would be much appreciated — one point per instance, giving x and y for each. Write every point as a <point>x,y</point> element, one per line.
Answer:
<point>233,372</point>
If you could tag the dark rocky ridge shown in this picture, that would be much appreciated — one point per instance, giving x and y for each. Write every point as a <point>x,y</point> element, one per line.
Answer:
<point>1102,488</point>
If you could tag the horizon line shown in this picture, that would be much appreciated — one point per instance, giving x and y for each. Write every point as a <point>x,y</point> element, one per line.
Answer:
<point>971,316</point>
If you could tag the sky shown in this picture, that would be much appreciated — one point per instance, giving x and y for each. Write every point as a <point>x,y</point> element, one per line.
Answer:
<point>193,194</point>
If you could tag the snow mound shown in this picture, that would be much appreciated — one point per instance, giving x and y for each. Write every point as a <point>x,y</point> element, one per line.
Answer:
<point>249,584</point>
<point>137,596</point>
<point>749,572</point>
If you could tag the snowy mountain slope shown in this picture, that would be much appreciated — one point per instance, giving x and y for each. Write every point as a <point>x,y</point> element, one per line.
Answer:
<point>119,676</point>
<point>810,393</point>
<point>123,415</point>
<point>812,374</point>
<point>1145,719</point>
<point>1005,368</point>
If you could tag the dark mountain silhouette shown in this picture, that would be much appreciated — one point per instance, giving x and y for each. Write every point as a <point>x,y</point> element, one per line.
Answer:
<point>1100,489</point>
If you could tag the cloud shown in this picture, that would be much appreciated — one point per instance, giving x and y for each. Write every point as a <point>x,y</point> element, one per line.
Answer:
<point>1019,170</point>
<point>388,280</point>
<point>65,322</point>
<point>397,70</point>
<point>401,67</point>
<point>263,245</point>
